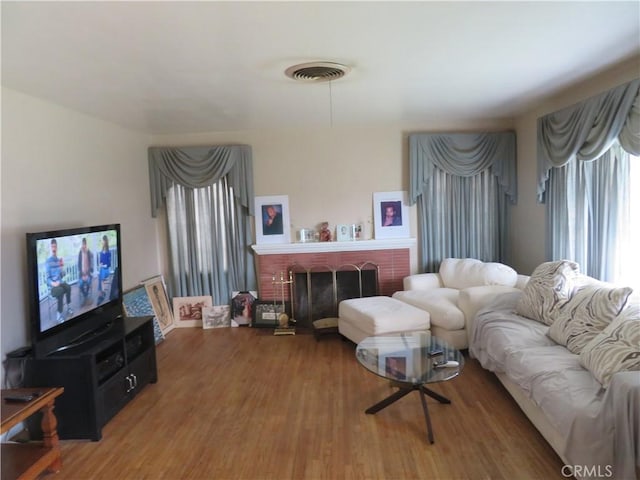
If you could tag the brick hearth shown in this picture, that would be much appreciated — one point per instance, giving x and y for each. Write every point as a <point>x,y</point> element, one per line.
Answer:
<point>391,256</point>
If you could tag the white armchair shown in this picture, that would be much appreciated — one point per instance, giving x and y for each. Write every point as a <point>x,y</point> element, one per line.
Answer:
<point>454,295</point>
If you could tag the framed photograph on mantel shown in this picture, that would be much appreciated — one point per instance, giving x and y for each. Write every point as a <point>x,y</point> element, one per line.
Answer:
<point>272,219</point>
<point>390,215</point>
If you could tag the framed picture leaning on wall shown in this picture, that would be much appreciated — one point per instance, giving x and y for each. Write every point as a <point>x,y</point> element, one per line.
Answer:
<point>272,221</point>
<point>390,215</point>
<point>218,316</point>
<point>157,292</point>
<point>136,303</point>
<point>188,310</point>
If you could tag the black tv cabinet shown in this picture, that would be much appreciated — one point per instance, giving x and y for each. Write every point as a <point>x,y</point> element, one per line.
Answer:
<point>99,376</point>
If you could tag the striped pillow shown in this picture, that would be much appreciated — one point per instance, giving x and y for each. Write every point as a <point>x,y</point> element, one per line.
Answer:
<point>549,287</point>
<point>616,348</point>
<point>589,311</point>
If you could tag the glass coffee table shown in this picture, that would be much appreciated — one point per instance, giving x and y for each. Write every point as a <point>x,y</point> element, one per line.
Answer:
<point>410,361</point>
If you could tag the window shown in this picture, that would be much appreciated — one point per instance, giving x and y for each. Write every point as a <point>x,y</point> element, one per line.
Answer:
<point>201,222</point>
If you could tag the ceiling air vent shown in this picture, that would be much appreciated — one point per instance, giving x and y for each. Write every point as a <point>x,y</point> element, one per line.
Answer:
<point>317,71</point>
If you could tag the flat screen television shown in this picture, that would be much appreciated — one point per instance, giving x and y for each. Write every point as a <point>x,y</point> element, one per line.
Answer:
<point>75,280</point>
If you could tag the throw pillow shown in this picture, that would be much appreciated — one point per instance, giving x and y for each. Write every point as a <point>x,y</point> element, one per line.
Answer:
<point>616,348</point>
<point>589,311</point>
<point>549,287</point>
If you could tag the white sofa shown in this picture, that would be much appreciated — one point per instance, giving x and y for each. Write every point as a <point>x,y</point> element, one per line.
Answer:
<point>453,295</point>
<point>567,348</point>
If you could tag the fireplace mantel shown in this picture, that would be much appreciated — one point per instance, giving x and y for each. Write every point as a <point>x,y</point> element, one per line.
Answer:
<point>328,247</point>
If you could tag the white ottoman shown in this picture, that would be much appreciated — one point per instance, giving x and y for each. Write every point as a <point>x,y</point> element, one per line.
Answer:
<point>365,317</point>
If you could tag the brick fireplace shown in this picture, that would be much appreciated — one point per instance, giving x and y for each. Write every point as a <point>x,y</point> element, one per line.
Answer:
<point>392,258</point>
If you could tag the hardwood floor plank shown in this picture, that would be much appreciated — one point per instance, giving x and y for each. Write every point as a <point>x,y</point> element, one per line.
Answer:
<point>240,403</point>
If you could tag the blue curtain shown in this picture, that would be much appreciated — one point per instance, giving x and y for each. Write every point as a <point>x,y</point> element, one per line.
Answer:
<point>463,185</point>
<point>587,210</point>
<point>583,177</point>
<point>209,196</point>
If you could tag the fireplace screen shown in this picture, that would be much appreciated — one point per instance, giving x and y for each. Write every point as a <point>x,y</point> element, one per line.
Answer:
<point>317,291</point>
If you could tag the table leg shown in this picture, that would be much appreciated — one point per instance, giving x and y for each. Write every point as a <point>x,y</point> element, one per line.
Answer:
<point>434,395</point>
<point>425,409</point>
<point>389,400</point>
<point>50,434</point>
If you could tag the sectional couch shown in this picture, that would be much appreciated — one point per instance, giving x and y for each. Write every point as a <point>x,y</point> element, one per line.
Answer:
<point>567,348</point>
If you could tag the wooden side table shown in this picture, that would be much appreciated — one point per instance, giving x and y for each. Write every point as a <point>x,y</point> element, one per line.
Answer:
<point>28,461</point>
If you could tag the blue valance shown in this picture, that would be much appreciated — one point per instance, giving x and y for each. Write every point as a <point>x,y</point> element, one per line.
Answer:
<point>464,155</point>
<point>585,131</point>
<point>197,167</point>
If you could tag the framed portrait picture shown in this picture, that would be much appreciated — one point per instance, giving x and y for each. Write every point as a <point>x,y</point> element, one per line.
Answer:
<point>266,313</point>
<point>390,215</point>
<point>272,219</point>
<point>187,311</point>
<point>136,303</point>
<point>344,232</point>
<point>218,316</point>
<point>242,307</point>
<point>157,292</point>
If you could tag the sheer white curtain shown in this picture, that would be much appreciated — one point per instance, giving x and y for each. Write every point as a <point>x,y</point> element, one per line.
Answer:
<point>584,177</point>
<point>588,211</point>
<point>461,217</point>
<point>628,266</point>
<point>202,226</point>
<point>463,184</point>
<point>208,192</point>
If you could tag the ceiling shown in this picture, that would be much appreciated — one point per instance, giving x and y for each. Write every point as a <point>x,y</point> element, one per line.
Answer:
<point>188,67</point>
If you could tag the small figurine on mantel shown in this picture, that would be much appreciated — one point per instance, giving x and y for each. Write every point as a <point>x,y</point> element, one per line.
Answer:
<point>325,232</point>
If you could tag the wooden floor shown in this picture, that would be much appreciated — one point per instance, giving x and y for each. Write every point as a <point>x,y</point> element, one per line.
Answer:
<point>240,403</point>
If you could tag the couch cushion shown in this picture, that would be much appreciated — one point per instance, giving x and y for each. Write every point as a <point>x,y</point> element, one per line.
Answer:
<point>589,311</point>
<point>549,287</point>
<point>616,348</point>
<point>556,382</point>
<point>441,303</point>
<point>497,332</point>
<point>468,272</point>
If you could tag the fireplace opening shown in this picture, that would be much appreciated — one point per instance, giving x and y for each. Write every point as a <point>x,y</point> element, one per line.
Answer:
<point>317,291</point>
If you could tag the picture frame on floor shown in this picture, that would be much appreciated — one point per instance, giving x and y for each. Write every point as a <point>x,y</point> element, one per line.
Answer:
<point>188,310</point>
<point>242,307</point>
<point>218,316</point>
<point>136,303</point>
<point>157,292</point>
<point>266,313</point>
<point>391,215</point>
<point>272,223</point>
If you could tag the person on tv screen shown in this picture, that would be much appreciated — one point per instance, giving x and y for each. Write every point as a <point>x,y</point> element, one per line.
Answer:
<point>85,270</point>
<point>57,286</point>
<point>105,267</point>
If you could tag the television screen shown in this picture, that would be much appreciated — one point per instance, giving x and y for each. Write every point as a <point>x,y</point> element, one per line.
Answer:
<point>73,273</point>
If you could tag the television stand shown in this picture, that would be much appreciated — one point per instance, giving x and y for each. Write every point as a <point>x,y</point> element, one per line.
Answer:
<point>100,376</point>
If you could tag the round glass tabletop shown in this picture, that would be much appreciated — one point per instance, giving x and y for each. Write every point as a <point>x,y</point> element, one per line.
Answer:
<point>416,358</point>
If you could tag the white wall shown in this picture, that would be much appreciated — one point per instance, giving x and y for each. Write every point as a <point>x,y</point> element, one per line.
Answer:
<point>62,169</point>
<point>528,228</point>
